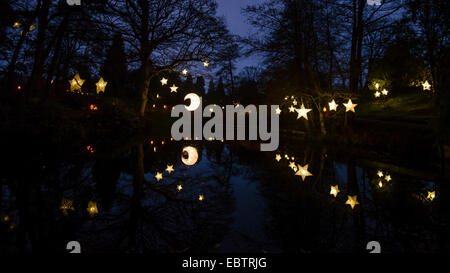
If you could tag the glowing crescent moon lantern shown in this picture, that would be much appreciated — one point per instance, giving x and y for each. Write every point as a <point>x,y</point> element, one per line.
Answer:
<point>195,101</point>
<point>189,155</point>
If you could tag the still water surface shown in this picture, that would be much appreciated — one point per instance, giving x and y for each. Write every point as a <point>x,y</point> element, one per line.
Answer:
<point>220,197</point>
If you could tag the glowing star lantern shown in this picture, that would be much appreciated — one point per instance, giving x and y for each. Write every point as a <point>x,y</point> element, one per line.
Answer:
<point>17,25</point>
<point>294,102</point>
<point>158,176</point>
<point>292,109</point>
<point>380,184</point>
<point>426,86</point>
<point>377,94</point>
<point>201,197</point>
<point>377,86</point>
<point>195,101</point>
<point>164,81</point>
<point>278,157</point>
<point>388,178</point>
<point>333,106</point>
<point>334,190</point>
<point>303,172</point>
<point>385,92</point>
<point>380,174</point>
<point>205,64</point>
<point>184,72</point>
<point>278,111</point>
<point>189,155</point>
<point>66,205</point>
<point>173,89</point>
<point>32,27</point>
<point>292,165</point>
<point>431,195</point>
<point>352,201</point>
<point>349,106</point>
<point>169,169</point>
<point>76,83</point>
<point>92,208</point>
<point>93,107</point>
<point>303,112</point>
<point>179,188</point>
<point>101,85</point>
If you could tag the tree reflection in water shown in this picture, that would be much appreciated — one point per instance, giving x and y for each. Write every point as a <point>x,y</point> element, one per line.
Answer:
<point>137,213</point>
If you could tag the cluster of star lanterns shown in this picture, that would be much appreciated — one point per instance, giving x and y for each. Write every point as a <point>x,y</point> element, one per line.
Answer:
<point>303,172</point>
<point>302,111</point>
<point>67,205</point>
<point>77,82</point>
<point>383,178</point>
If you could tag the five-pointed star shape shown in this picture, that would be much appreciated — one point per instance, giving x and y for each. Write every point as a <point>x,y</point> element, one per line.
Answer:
<point>385,92</point>
<point>333,105</point>
<point>173,89</point>
<point>302,112</point>
<point>101,85</point>
<point>169,168</point>
<point>303,172</point>
<point>158,176</point>
<point>352,201</point>
<point>431,195</point>
<point>291,165</point>
<point>334,190</point>
<point>349,106</point>
<point>294,102</point>
<point>380,174</point>
<point>278,111</point>
<point>184,72</point>
<point>205,64</point>
<point>377,94</point>
<point>164,81</point>
<point>179,187</point>
<point>201,197</point>
<point>76,83</point>
<point>426,86</point>
<point>278,157</point>
<point>292,109</point>
<point>388,178</point>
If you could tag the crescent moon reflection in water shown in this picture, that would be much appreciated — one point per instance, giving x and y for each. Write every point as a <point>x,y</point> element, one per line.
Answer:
<point>189,155</point>
<point>195,101</point>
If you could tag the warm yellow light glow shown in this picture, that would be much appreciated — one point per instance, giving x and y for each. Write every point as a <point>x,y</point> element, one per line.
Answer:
<point>324,109</point>
<point>17,25</point>
<point>93,107</point>
<point>380,184</point>
<point>295,102</point>
<point>189,155</point>
<point>66,204</point>
<point>76,83</point>
<point>377,86</point>
<point>278,157</point>
<point>179,188</point>
<point>292,109</point>
<point>205,64</point>
<point>333,106</point>
<point>195,101</point>
<point>278,111</point>
<point>380,174</point>
<point>32,27</point>
<point>5,218</point>
<point>388,178</point>
<point>385,92</point>
<point>349,106</point>
<point>201,197</point>
<point>352,201</point>
<point>426,86</point>
<point>303,112</point>
<point>169,169</point>
<point>303,172</point>
<point>173,89</point>
<point>334,190</point>
<point>101,85</point>
<point>431,195</point>
<point>92,208</point>
<point>164,81</point>
<point>184,72</point>
<point>291,165</point>
<point>377,94</point>
<point>158,176</point>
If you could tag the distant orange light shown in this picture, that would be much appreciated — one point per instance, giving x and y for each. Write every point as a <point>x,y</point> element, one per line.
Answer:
<point>93,107</point>
<point>171,139</point>
<point>19,87</point>
<point>162,142</point>
<point>165,106</point>
<point>151,142</point>
<point>154,106</point>
<point>324,109</point>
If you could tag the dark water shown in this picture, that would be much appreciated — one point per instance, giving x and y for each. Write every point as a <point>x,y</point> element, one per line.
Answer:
<point>251,202</point>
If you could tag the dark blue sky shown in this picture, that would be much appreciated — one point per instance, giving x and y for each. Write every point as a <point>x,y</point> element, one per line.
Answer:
<point>236,21</point>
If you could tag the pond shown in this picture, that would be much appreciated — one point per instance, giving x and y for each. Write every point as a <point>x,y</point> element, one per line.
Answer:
<point>158,195</point>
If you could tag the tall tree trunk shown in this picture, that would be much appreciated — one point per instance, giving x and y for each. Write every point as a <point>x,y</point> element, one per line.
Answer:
<point>145,85</point>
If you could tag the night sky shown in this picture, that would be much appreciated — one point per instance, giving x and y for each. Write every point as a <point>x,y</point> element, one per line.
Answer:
<point>236,21</point>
